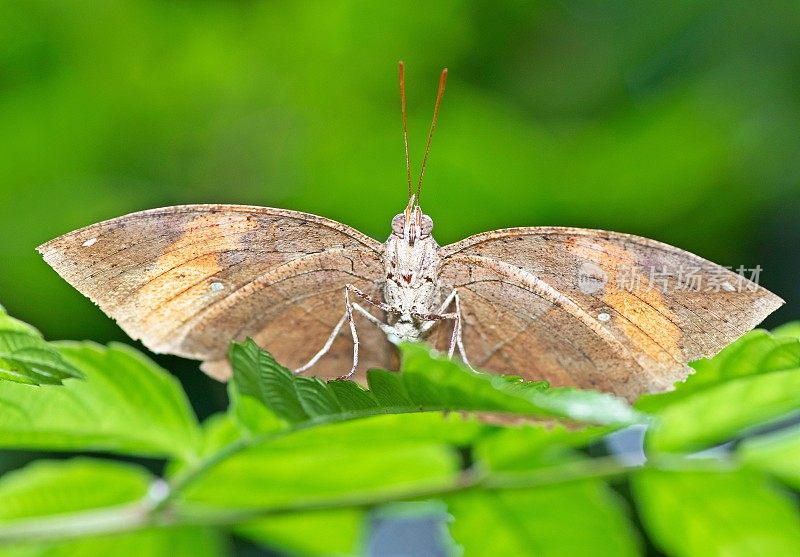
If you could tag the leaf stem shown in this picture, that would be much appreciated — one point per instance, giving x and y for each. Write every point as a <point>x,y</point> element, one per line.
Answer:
<point>168,512</point>
<point>106,520</point>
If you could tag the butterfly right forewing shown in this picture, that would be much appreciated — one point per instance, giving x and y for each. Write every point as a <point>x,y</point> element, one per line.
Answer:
<point>526,310</point>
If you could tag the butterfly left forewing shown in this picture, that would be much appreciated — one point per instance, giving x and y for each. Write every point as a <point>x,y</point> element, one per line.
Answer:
<point>186,280</point>
<point>594,308</point>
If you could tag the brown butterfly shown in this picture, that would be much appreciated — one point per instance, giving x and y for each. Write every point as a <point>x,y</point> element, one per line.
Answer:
<point>589,308</point>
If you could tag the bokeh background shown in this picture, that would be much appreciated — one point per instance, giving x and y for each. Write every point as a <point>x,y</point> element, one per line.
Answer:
<point>679,121</point>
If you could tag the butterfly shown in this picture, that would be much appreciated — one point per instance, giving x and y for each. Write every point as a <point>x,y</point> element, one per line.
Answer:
<point>588,308</point>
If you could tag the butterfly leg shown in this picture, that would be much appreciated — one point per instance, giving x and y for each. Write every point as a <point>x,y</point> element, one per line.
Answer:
<point>326,346</point>
<point>372,301</point>
<point>349,313</point>
<point>350,306</point>
<point>459,340</point>
<point>455,338</point>
<point>348,316</point>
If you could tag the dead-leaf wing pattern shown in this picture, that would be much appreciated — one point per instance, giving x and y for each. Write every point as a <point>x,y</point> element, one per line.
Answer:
<point>593,308</point>
<point>187,280</point>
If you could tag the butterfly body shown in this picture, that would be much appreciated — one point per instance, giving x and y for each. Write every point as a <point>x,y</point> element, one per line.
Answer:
<point>412,289</point>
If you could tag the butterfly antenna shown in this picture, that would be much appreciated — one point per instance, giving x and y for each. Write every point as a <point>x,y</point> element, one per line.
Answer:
<point>405,125</point>
<point>442,81</point>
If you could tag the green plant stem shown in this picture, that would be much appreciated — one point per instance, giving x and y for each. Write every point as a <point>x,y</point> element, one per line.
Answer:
<point>466,481</point>
<point>106,520</point>
<point>149,513</point>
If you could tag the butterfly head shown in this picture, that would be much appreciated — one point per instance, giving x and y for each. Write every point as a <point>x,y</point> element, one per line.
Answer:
<point>412,224</point>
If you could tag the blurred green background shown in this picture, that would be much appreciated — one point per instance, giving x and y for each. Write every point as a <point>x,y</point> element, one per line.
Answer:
<point>678,121</point>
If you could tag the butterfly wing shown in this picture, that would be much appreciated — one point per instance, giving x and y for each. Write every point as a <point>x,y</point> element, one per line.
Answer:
<point>594,309</point>
<point>186,280</point>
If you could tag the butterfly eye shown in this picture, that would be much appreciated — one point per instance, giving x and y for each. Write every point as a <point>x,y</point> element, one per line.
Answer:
<point>398,223</point>
<point>426,226</point>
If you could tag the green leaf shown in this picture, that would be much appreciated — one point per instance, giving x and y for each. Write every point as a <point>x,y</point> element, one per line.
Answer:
<point>702,513</point>
<point>755,353</point>
<point>389,390</point>
<point>754,380</point>
<point>127,404</point>
<point>577,518</point>
<point>365,458</point>
<point>49,487</point>
<point>82,495</point>
<point>250,412</point>
<point>791,330</point>
<point>219,431</point>
<point>183,541</point>
<point>258,375</point>
<point>426,383</point>
<point>533,446</point>
<point>352,395</point>
<point>719,413</point>
<point>542,520</point>
<point>25,357</point>
<point>777,454</point>
<point>325,533</point>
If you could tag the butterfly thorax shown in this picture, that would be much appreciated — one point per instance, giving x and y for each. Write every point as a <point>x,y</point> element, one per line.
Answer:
<point>411,288</point>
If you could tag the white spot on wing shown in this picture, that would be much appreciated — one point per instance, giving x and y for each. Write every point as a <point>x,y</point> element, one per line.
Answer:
<point>89,242</point>
<point>603,316</point>
<point>217,287</point>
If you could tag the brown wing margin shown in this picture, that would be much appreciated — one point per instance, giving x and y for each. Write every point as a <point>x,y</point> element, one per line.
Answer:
<point>188,279</point>
<point>617,303</point>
